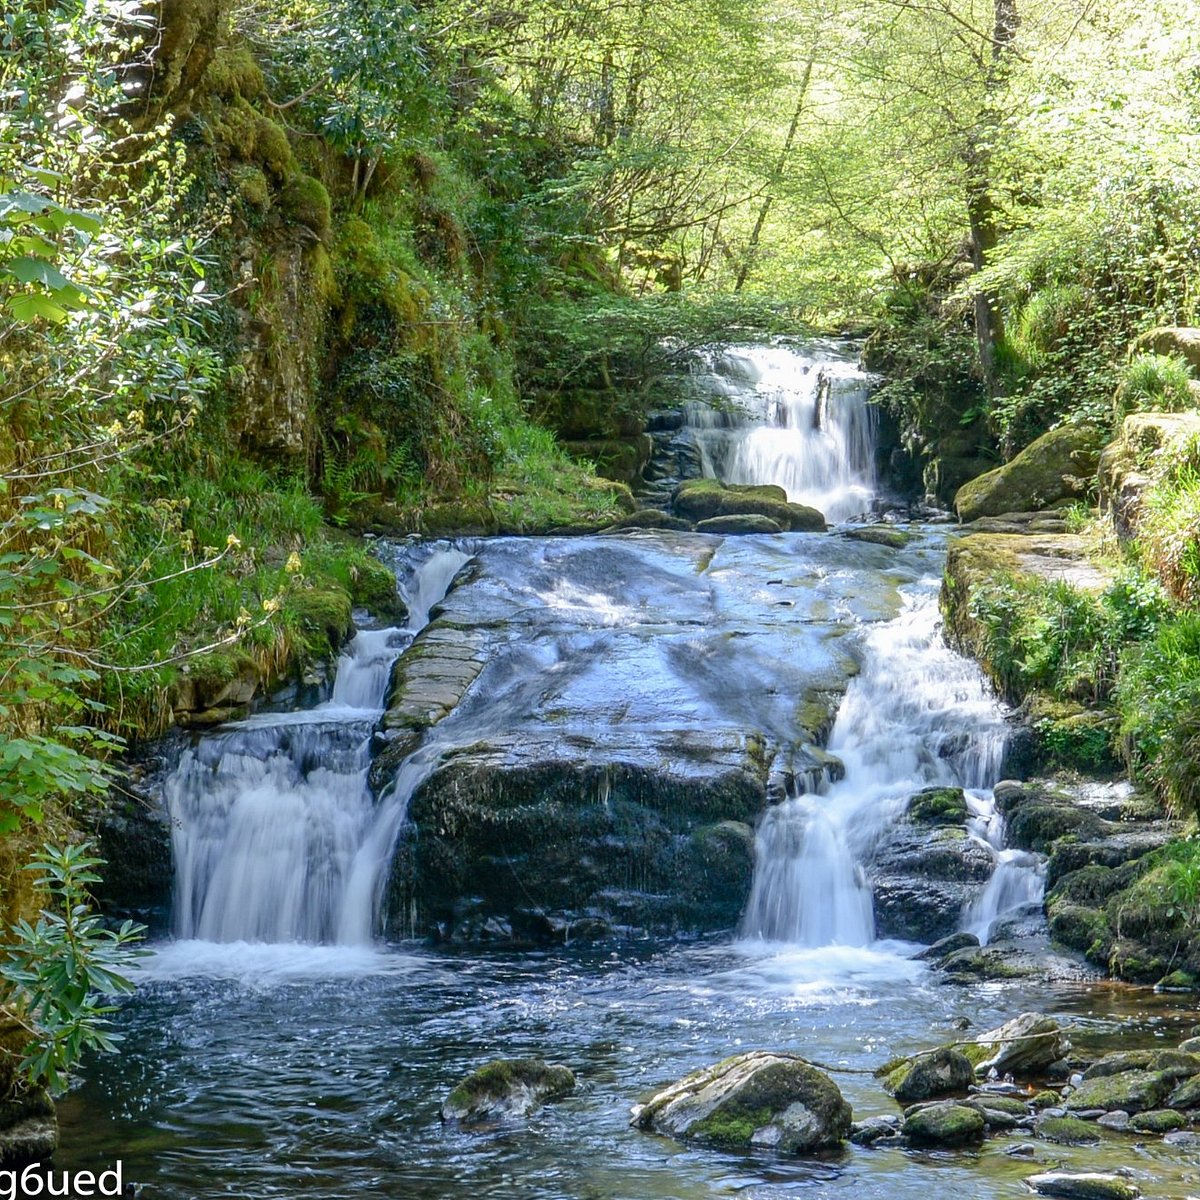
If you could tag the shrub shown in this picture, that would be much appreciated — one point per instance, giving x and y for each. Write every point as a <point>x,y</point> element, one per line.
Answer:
<point>1153,383</point>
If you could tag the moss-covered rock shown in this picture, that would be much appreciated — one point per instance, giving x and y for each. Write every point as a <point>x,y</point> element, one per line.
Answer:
<point>1180,341</point>
<point>761,1100</point>
<point>1187,1095</point>
<point>304,201</point>
<point>880,535</point>
<point>1058,465</point>
<point>1082,1185</point>
<point>746,523</point>
<point>1159,1120</point>
<point>706,499</point>
<point>1129,463</point>
<point>1066,1131</point>
<point>507,1087</point>
<point>1129,1091</point>
<point>945,1124</point>
<point>938,806</point>
<point>941,1072</point>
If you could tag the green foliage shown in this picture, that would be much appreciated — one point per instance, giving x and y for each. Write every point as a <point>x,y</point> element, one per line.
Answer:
<point>57,970</point>
<point>1154,383</point>
<point>1169,532</point>
<point>1158,698</point>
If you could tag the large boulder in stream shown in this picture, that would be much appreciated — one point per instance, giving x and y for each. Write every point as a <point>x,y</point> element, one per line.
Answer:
<point>941,1072</point>
<point>1057,466</point>
<point>588,729</point>
<point>507,1087</point>
<point>759,1100</point>
<point>706,499</point>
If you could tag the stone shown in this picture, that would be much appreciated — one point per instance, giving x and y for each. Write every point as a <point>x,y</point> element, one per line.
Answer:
<point>1082,1185</point>
<point>946,946</point>
<point>1178,340</point>
<point>1056,466</point>
<point>870,1131</point>
<point>1174,1064</point>
<point>941,1072</point>
<point>1130,1091</point>
<point>762,1100</point>
<point>739,523</point>
<point>649,518</point>
<point>1117,1120</point>
<point>507,1087</point>
<point>1190,1046</point>
<point>1187,1094</point>
<point>1183,1138</point>
<point>945,1124</point>
<point>879,535</point>
<point>28,1128</point>
<point>1023,1046</point>
<point>1158,1120</point>
<point>1066,1131</point>
<point>700,500</point>
<point>938,806</point>
<point>1126,466</point>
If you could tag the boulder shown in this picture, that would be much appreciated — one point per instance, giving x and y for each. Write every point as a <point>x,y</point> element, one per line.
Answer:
<point>944,1124</point>
<point>1081,1185</point>
<point>703,499</point>
<point>873,1129</point>
<point>946,946</point>
<point>649,518</point>
<point>28,1128</point>
<point>763,1100</point>
<point>1187,1095</point>
<point>880,535</point>
<point>1181,341</point>
<point>941,1072</point>
<point>1176,1064</point>
<point>1131,1092</point>
<point>744,523</point>
<point>1127,465</point>
<point>1057,466</point>
<point>1066,1131</point>
<point>507,1087</point>
<point>1026,1045</point>
<point>1158,1120</point>
<point>938,806</point>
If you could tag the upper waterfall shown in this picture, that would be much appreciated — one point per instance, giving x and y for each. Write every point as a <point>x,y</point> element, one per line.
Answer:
<point>797,417</point>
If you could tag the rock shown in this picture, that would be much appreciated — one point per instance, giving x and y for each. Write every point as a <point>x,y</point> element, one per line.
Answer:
<point>1126,466</point>
<point>941,1072</point>
<point>1186,1095</point>
<point>1175,340</point>
<point>773,1101</point>
<point>1131,1091</point>
<point>1117,1120</point>
<point>507,1087</point>
<point>879,535</point>
<point>1023,1046</point>
<point>1191,1046</point>
<point>703,499</point>
<point>1066,1131</point>
<point>946,946</point>
<point>986,962</point>
<point>945,1124</point>
<point>1058,465</point>
<point>1174,1064</point>
<point>28,1129</point>
<point>1158,1120</point>
<point>938,806</point>
<point>870,1131</point>
<point>1074,1185</point>
<point>1183,1138</point>
<point>746,523</point>
<point>649,518</point>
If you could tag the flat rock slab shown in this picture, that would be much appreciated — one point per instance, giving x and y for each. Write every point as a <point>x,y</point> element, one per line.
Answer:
<point>1082,1186</point>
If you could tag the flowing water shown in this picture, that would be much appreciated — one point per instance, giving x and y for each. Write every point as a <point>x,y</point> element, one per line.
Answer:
<point>797,418</point>
<point>275,1048</point>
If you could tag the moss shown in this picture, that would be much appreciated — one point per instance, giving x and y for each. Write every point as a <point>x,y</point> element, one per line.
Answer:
<point>235,133</point>
<point>1159,1120</point>
<point>251,187</point>
<point>1046,1099</point>
<point>731,1127</point>
<point>210,671</point>
<point>272,148</point>
<point>1131,1091</point>
<point>233,73</point>
<point>938,806</point>
<point>1083,929</point>
<point>373,587</point>
<point>945,1125</point>
<point>325,615</point>
<point>499,1079</point>
<point>305,201</point>
<point>1067,1131</point>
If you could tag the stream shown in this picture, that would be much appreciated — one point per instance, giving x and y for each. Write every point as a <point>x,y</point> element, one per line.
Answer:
<point>278,1044</point>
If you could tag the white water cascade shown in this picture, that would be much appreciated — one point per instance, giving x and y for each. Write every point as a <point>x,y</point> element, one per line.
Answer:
<point>800,419</point>
<point>275,834</point>
<point>918,715</point>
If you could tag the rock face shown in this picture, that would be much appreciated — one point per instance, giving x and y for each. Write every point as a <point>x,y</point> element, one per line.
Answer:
<point>1126,464</point>
<point>600,721</point>
<point>941,1072</point>
<point>1057,466</point>
<point>507,1087</point>
<point>758,1100</point>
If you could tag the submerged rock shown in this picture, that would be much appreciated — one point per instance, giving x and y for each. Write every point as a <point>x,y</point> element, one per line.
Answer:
<point>944,1124</point>
<point>941,1072</point>
<point>757,1100</point>
<point>1075,1185</point>
<point>507,1087</point>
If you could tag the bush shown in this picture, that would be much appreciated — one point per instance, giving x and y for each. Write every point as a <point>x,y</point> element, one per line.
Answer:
<point>1154,383</point>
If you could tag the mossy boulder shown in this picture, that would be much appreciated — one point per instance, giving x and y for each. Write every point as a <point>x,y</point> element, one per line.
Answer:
<point>938,806</point>
<point>325,614</point>
<point>1127,465</point>
<point>747,523</point>
<point>1130,1091</point>
<point>1082,1185</point>
<point>507,1087</point>
<point>1059,465</point>
<point>1081,928</point>
<point>1175,1064</point>
<point>941,1072</point>
<point>705,499</point>
<point>650,518</point>
<point>1066,1131</point>
<point>1187,1095</point>
<point>944,1124</point>
<point>1158,1120</point>
<point>304,201</point>
<point>880,535</point>
<point>761,1100</point>
<point>1180,341</point>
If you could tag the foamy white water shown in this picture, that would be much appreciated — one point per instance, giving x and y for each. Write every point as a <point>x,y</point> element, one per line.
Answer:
<point>800,419</point>
<point>275,833</point>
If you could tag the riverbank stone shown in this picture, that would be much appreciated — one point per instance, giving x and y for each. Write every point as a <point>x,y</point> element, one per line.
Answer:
<point>507,1087</point>
<point>945,1124</point>
<point>758,1100</point>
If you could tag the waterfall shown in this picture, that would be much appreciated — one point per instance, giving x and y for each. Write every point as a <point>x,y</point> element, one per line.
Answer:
<point>275,834</point>
<point>798,419</point>
<point>917,715</point>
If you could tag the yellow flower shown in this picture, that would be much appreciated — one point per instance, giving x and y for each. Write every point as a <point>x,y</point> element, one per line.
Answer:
<point>293,565</point>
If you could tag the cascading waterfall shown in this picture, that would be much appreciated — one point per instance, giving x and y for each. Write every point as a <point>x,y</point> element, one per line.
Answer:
<point>918,715</point>
<point>800,419</point>
<point>275,833</point>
